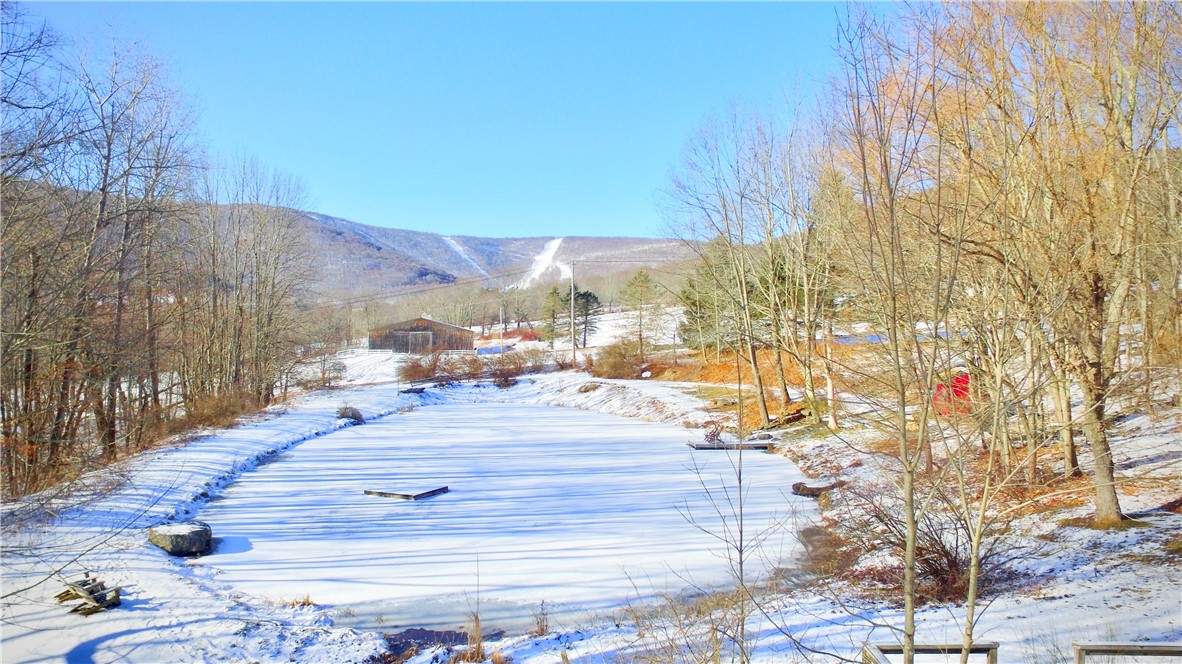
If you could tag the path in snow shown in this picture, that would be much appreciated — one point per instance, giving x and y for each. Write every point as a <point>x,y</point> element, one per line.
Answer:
<point>582,510</point>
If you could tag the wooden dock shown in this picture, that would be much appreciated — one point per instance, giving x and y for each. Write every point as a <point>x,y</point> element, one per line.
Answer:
<point>762,445</point>
<point>407,496</point>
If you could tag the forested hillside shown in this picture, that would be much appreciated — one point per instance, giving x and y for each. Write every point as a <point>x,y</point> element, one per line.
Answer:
<point>149,286</point>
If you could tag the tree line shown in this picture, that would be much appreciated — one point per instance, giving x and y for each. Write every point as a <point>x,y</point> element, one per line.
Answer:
<point>145,285</point>
<point>990,188</point>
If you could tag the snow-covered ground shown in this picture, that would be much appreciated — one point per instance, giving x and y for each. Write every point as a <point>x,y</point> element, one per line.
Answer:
<point>571,507</point>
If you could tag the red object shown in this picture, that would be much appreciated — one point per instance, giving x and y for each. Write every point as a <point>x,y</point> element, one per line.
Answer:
<point>960,386</point>
<point>952,397</point>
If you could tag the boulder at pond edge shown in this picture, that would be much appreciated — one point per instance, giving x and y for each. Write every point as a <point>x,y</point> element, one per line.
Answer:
<point>187,538</point>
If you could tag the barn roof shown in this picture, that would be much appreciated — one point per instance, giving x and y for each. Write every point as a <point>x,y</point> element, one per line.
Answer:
<point>421,322</point>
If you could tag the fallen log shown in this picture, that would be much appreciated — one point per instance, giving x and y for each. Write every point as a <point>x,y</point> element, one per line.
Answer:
<point>802,489</point>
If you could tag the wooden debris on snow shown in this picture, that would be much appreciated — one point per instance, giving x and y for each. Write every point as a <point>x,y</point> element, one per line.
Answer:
<point>95,595</point>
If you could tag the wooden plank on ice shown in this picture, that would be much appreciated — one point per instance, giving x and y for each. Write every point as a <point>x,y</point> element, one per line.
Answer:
<point>407,496</point>
<point>754,445</point>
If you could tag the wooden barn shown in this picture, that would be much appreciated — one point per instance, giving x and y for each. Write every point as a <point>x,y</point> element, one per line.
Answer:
<point>421,336</point>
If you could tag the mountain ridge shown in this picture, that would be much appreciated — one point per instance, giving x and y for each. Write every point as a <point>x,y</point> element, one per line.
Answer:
<point>354,258</point>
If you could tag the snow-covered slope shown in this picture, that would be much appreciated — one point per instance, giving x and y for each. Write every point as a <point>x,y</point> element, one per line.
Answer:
<point>464,255</point>
<point>543,263</point>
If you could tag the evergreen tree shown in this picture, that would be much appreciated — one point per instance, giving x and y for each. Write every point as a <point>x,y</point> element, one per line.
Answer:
<point>555,308</point>
<point>640,295</point>
<point>587,311</point>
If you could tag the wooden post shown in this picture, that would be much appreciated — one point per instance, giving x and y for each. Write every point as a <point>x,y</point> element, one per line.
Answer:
<point>574,360</point>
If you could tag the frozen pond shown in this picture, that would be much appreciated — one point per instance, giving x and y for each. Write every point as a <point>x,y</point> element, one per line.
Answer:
<point>582,510</point>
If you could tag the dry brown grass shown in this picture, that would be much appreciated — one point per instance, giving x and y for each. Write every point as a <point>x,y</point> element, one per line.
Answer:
<point>474,651</point>
<point>306,600</point>
<point>541,620</point>
<point>217,411</point>
<point>1173,548</point>
<point>1168,347</point>
<point>680,628</point>
<point>724,372</point>
<point>826,552</point>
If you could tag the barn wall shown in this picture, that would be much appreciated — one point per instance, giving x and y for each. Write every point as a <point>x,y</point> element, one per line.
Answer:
<point>420,336</point>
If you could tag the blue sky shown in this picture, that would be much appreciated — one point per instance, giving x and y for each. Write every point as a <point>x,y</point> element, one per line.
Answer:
<point>500,120</point>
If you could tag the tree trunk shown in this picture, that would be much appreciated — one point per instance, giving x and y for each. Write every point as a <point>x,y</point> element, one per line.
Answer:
<point>1061,393</point>
<point>1107,503</point>
<point>830,389</point>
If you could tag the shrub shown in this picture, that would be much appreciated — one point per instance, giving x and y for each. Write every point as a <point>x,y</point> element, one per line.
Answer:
<point>513,361</point>
<point>351,413</point>
<point>713,433</point>
<point>466,366</point>
<point>562,360</point>
<point>872,519</point>
<point>535,359</point>
<point>505,373</point>
<point>421,367</point>
<point>621,359</point>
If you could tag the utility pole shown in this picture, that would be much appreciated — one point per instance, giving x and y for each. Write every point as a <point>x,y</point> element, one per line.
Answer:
<point>574,362</point>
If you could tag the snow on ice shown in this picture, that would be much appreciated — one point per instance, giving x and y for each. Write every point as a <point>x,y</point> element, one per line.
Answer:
<point>580,508</point>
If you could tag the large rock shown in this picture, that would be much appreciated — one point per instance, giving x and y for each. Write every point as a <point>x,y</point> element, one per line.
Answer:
<point>188,538</point>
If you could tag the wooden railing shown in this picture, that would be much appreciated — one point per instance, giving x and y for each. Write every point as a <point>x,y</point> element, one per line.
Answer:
<point>876,654</point>
<point>1082,650</point>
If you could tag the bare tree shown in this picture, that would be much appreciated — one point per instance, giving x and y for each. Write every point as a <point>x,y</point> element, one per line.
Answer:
<point>906,276</point>
<point>82,201</point>
<point>711,199</point>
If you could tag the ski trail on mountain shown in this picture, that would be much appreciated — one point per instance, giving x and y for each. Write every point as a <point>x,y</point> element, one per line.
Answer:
<point>455,246</point>
<point>545,261</point>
